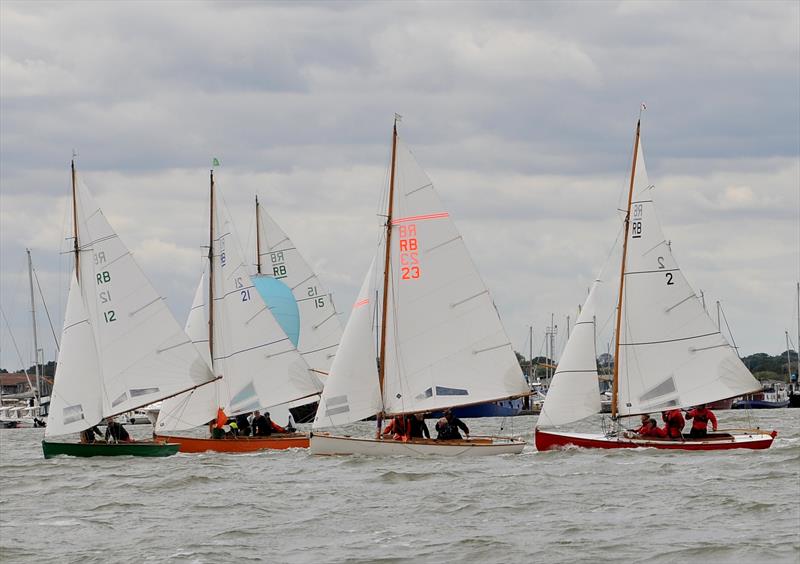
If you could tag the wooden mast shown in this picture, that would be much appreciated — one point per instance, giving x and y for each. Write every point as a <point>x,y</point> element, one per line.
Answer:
<point>76,247</point>
<point>211,270</point>
<point>386,266</point>
<point>258,237</point>
<point>615,388</point>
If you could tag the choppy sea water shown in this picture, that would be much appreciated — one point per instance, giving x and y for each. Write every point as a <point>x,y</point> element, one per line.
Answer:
<point>639,505</point>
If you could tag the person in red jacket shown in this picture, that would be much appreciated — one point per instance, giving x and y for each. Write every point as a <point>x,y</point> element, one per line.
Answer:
<point>399,428</point>
<point>701,415</point>
<point>653,430</point>
<point>645,419</point>
<point>673,423</point>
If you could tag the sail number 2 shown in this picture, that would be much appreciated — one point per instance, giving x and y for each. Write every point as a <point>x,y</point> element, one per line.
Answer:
<point>668,274</point>
<point>409,252</point>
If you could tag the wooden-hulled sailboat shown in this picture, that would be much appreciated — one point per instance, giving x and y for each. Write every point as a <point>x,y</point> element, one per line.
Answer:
<point>121,348</point>
<point>299,302</point>
<point>668,352</point>
<point>441,342</point>
<point>257,365</point>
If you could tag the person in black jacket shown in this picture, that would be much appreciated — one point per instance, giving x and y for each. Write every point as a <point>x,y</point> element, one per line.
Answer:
<point>87,435</point>
<point>116,433</point>
<point>419,429</point>
<point>262,425</point>
<point>448,426</point>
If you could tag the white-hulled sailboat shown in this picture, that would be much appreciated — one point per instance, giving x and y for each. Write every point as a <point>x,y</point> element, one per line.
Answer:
<point>121,348</point>
<point>668,355</point>
<point>441,343</point>
<point>257,365</point>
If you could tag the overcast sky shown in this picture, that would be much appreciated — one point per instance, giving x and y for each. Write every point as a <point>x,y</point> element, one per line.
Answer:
<point>522,114</point>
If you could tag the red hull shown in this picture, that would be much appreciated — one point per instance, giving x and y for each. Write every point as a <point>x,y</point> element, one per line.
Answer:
<point>545,440</point>
<point>239,444</point>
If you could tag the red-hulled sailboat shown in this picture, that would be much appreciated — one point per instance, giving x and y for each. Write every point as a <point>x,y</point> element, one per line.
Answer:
<point>668,352</point>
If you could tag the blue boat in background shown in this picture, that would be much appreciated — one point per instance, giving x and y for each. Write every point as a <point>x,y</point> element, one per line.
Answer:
<point>504,408</point>
<point>773,396</point>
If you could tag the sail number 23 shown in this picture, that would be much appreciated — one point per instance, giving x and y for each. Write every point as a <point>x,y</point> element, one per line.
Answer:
<point>409,252</point>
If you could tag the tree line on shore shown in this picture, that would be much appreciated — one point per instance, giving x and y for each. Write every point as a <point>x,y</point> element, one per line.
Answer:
<point>762,365</point>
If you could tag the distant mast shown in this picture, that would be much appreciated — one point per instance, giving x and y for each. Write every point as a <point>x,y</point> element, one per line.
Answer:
<point>615,389</point>
<point>35,336</point>
<point>258,238</point>
<point>76,246</point>
<point>211,271</point>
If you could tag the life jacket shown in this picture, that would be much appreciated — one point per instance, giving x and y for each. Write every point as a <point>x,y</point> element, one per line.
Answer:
<point>700,419</point>
<point>675,423</point>
<point>399,426</point>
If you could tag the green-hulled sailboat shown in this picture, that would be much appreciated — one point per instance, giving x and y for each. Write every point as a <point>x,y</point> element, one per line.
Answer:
<point>121,348</point>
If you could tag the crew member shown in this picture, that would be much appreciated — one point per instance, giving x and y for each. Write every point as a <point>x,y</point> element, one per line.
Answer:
<point>701,415</point>
<point>419,429</point>
<point>116,432</point>
<point>262,424</point>
<point>673,423</point>
<point>399,427</point>
<point>447,427</point>
<point>88,435</point>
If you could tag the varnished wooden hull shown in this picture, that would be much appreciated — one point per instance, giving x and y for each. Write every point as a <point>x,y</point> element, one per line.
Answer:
<point>238,444</point>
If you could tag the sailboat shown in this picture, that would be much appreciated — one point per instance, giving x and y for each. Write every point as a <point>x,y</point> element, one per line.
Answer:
<point>121,348</point>
<point>298,300</point>
<point>668,352</point>
<point>257,364</point>
<point>440,343</point>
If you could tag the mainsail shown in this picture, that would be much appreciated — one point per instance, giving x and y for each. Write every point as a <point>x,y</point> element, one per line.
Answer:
<point>671,354</point>
<point>123,347</point>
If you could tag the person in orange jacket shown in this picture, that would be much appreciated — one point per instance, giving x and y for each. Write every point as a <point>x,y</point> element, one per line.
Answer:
<point>399,427</point>
<point>673,423</point>
<point>701,415</point>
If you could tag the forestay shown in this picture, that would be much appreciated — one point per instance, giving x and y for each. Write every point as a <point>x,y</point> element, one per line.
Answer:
<point>351,390</point>
<point>320,330</point>
<point>445,344</point>
<point>574,393</point>
<point>671,353</point>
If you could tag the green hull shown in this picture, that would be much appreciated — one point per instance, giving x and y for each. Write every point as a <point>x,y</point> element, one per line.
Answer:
<point>52,449</point>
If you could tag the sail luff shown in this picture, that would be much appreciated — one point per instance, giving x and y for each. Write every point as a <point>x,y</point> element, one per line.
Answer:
<point>386,264</point>
<point>615,384</point>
